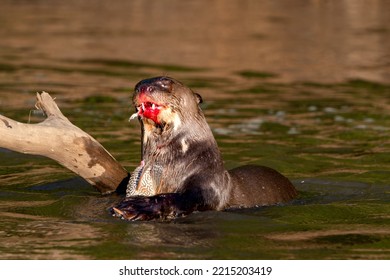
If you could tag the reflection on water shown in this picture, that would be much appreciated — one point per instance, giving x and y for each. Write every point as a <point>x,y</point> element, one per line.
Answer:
<point>295,40</point>
<point>45,238</point>
<point>301,86</point>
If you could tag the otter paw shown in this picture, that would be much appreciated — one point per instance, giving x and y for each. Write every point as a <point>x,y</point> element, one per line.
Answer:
<point>145,208</point>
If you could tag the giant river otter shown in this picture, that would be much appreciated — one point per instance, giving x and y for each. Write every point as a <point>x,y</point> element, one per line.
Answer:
<point>182,169</point>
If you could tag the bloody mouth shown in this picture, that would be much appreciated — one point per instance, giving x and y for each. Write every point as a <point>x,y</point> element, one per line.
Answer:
<point>148,110</point>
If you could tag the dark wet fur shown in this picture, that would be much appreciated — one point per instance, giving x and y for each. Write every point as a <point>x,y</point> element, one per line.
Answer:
<point>161,207</point>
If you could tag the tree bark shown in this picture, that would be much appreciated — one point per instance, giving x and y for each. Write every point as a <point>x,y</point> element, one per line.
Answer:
<point>57,138</point>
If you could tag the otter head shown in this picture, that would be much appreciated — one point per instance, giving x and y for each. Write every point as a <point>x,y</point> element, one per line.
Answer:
<point>164,103</point>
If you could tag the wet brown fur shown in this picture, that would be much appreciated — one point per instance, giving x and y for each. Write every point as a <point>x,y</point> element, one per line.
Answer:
<point>193,177</point>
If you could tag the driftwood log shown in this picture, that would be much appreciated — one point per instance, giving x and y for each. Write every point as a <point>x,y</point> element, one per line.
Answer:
<point>57,138</point>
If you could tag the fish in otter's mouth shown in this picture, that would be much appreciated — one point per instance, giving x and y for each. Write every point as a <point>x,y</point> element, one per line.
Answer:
<point>148,110</point>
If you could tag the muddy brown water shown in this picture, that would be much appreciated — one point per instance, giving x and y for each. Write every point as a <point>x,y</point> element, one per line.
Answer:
<point>300,86</point>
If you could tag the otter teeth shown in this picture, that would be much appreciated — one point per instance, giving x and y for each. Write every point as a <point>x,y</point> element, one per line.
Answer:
<point>142,108</point>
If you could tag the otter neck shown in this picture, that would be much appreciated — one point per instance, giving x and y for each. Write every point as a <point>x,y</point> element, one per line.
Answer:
<point>163,143</point>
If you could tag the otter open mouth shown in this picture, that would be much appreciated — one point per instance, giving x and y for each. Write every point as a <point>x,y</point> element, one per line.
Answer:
<point>148,110</point>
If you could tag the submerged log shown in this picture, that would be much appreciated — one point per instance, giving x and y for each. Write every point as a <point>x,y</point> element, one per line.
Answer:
<point>57,138</point>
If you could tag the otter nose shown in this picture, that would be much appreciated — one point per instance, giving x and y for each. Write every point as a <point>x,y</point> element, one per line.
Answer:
<point>153,84</point>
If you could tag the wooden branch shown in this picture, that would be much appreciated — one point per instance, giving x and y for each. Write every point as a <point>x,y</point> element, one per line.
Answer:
<point>57,138</point>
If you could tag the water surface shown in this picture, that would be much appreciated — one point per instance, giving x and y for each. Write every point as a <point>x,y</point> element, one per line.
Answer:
<point>300,86</point>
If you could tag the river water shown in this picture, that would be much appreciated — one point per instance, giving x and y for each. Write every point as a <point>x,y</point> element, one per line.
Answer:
<point>301,86</point>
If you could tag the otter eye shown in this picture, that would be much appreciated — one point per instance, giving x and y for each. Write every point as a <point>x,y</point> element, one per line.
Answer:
<point>166,87</point>
<point>165,84</point>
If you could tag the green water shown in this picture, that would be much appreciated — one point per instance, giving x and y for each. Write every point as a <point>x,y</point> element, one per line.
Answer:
<point>336,154</point>
<point>325,128</point>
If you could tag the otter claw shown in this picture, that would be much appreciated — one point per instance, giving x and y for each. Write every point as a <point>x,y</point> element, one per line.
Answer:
<point>116,212</point>
<point>135,209</point>
<point>143,208</point>
<point>124,215</point>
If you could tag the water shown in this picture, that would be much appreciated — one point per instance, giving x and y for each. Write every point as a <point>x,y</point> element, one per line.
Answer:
<point>299,86</point>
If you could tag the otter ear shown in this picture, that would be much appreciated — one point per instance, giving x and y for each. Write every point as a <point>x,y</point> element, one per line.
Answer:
<point>198,98</point>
